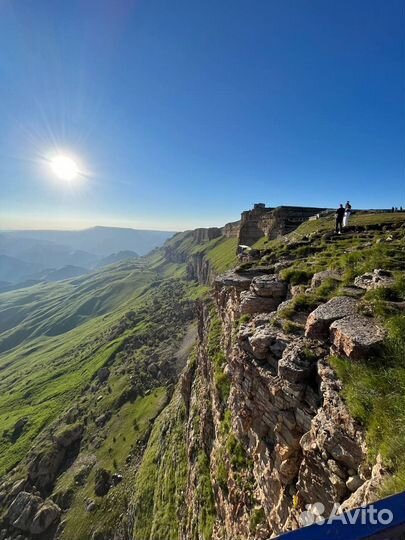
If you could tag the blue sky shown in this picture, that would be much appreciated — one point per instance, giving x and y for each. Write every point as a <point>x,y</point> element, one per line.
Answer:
<point>184,113</point>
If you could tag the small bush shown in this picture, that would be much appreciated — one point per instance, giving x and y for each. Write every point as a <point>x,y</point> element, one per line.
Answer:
<point>296,276</point>
<point>258,516</point>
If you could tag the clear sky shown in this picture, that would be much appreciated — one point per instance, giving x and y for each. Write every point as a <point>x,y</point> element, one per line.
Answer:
<point>183,113</point>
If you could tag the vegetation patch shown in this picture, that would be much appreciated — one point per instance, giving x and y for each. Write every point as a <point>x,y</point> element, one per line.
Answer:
<point>375,392</point>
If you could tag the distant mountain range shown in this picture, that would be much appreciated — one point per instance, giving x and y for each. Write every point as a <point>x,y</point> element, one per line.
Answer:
<point>28,257</point>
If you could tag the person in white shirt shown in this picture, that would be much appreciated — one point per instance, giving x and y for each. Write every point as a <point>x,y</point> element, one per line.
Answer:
<point>348,209</point>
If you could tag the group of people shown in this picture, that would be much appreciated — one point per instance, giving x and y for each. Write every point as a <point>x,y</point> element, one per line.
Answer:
<point>342,217</point>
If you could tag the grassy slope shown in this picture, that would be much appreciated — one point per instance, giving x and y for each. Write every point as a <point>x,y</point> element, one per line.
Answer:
<point>126,429</point>
<point>43,373</point>
<point>161,481</point>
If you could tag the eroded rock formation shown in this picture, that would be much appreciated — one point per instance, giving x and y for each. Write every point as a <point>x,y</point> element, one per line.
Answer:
<point>270,419</point>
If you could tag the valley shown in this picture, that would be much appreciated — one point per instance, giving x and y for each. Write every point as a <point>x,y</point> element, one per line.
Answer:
<point>182,395</point>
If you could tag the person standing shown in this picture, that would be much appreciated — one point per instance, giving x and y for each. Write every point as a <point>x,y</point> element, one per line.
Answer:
<point>348,210</point>
<point>340,212</point>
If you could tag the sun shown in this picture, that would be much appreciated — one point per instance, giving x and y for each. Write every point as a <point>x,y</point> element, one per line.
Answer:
<point>64,167</point>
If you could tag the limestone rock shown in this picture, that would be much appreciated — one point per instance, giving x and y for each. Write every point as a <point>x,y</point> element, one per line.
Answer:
<point>319,321</point>
<point>47,514</point>
<point>297,364</point>
<point>353,483</point>
<point>31,514</point>
<point>251,303</point>
<point>22,510</point>
<point>68,435</point>
<point>321,277</point>
<point>356,336</point>
<point>265,340</point>
<point>269,286</point>
<point>232,279</point>
<point>369,491</point>
<point>43,467</point>
<point>374,280</point>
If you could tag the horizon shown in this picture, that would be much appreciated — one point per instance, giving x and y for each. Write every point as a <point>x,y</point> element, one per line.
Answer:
<point>172,118</point>
<point>140,228</point>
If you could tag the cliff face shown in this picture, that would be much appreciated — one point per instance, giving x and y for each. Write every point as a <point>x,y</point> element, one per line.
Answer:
<point>266,425</point>
<point>272,222</point>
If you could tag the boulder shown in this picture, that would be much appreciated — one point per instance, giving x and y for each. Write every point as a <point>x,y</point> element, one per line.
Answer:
<point>297,365</point>
<point>31,514</point>
<point>103,374</point>
<point>251,303</point>
<point>22,510</point>
<point>232,279</point>
<point>47,514</point>
<point>68,435</point>
<point>319,321</point>
<point>321,277</point>
<point>44,465</point>
<point>375,280</point>
<point>267,340</point>
<point>269,286</point>
<point>356,336</point>
<point>353,483</point>
<point>369,491</point>
<point>102,482</point>
<point>20,485</point>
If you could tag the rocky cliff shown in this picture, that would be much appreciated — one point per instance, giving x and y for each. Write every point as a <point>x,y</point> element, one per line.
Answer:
<point>272,222</point>
<point>266,412</point>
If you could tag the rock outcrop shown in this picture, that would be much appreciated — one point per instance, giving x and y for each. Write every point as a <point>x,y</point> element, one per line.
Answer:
<point>356,336</point>
<point>272,222</point>
<point>319,321</point>
<point>31,514</point>
<point>289,424</point>
<point>375,280</point>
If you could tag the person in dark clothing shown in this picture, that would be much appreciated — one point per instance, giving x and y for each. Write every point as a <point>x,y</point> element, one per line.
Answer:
<point>340,212</point>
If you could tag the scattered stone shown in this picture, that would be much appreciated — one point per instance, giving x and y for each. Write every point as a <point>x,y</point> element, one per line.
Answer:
<point>369,491</point>
<point>31,514</point>
<point>297,364</point>
<point>90,505</point>
<point>251,303</point>
<point>319,321</point>
<point>102,482</point>
<point>47,514</point>
<point>353,483</point>
<point>101,420</point>
<point>375,280</point>
<point>321,277</point>
<point>103,374</point>
<point>356,336</point>
<point>269,286</point>
<point>266,340</point>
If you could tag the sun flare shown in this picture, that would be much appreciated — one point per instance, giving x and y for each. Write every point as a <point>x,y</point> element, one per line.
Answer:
<point>64,167</point>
